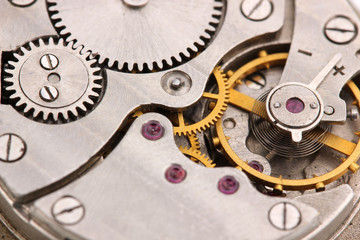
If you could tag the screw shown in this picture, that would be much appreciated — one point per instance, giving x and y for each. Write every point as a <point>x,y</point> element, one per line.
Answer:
<point>228,185</point>
<point>48,93</point>
<point>176,84</point>
<point>313,105</point>
<point>49,61</point>
<point>22,3</point>
<point>329,110</point>
<point>353,113</point>
<point>68,210</point>
<point>12,147</point>
<point>340,30</point>
<point>258,10</point>
<point>175,174</point>
<point>136,3</point>
<point>284,216</point>
<point>153,130</point>
<point>256,165</point>
<point>277,105</point>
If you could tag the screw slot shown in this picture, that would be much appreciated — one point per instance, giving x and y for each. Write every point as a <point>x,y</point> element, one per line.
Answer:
<point>49,61</point>
<point>284,216</point>
<point>49,93</point>
<point>340,30</point>
<point>12,147</point>
<point>256,10</point>
<point>68,210</point>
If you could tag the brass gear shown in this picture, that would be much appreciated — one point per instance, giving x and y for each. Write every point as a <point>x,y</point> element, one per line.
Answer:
<point>246,103</point>
<point>222,99</point>
<point>196,156</point>
<point>194,142</point>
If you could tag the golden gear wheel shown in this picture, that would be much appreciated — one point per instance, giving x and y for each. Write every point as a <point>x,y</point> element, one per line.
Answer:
<point>194,142</point>
<point>352,150</point>
<point>196,156</point>
<point>221,98</point>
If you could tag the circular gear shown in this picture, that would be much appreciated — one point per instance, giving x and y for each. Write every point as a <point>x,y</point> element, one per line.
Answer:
<point>196,156</point>
<point>218,108</point>
<point>350,149</point>
<point>153,36</point>
<point>53,81</point>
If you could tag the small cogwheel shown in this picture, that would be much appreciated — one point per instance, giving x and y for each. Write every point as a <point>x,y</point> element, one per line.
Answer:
<point>217,109</point>
<point>53,81</point>
<point>196,156</point>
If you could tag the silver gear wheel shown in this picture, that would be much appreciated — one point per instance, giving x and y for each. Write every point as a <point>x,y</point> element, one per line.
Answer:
<point>53,80</point>
<point>157,35</point>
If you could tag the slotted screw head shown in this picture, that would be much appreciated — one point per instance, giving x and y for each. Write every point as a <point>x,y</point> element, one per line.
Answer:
<point>49,62</point>
<point>256,10</point>
<point>49,93</point>
<point>340,30</point>
<point>12,147</point>
<point>284,216</point>
<point>68,210</point>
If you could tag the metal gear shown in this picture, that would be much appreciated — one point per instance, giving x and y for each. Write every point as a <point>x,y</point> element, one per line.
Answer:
<point>196,156</point>
<point>194,142</point>
<point>350,149</point>
<point>51,80</point>
<point>222,99</point>
<point>172,31</point>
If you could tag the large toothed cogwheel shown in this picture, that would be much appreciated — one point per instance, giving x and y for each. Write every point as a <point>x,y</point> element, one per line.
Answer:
<point>53,81</point>
<point>145,35</point>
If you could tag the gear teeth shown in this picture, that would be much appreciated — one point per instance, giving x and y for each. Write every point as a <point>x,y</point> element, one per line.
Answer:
<point>113,62</point>
<point>216,113</point>
<point>22,103</point>
<point>197,155</point>
<point>51,41</point>
<point>194,142</point>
